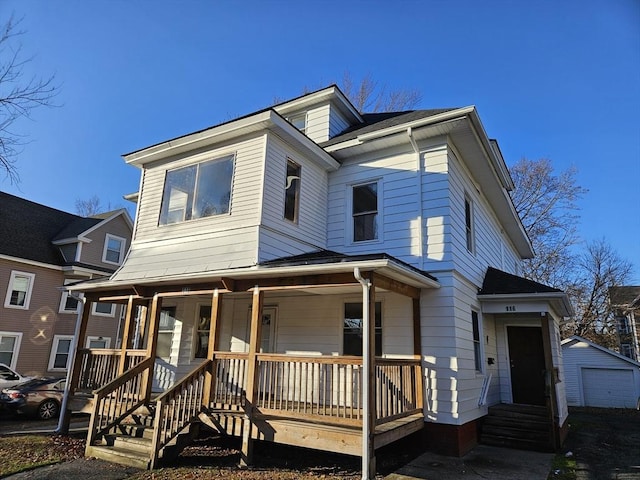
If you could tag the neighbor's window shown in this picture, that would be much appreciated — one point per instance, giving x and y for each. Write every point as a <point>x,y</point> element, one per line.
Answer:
<point>202,334</point>
<point>299,121</point>
<point>197,191</point>
<point>477,347</point>
<point>98,342</point>
<point>68,304</point>
<point>165,332</point>
<point>352,329</point>
<point>19,291</point>
<point>113,249</point>
<point>468,222</point>
<point>9,344</point>
<point>60,352</point>
<point>365,212</point>
<point>626,350</point>
<point>292,191</point>
<point>103,309</point>
<point>623,325</point>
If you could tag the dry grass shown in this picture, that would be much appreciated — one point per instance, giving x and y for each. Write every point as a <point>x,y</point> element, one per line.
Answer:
<point>25,452</point>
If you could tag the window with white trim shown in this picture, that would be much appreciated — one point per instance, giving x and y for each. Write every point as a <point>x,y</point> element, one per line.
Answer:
<point>299,121</point>
<point>477,345</point>
<point>352,329</point>
<point>103,309</point>
<point>469,224</point>
<point>114,248</point>
<point>98,342</point>
<point>292,191</point>
<point>68,304</point>
<point>626,350</point>
<point>19,290</point>
<point>165,332</point>
<point>197,191</point>
<point>61,348</point>
<point>9,347</point>
<point>364,210</point>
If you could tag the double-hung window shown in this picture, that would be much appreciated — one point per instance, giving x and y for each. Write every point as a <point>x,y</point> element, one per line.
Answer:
<point>103,309</point>
<point>165,332</point>
<point>197,191</point>
<point>60,352</point>
<point>19,291</point>
<point>9,345</point>
<point>352,329</point>
<point>299,121</point>
<point>114,248</point>
<point>365,212</point>
<point>292,191</point>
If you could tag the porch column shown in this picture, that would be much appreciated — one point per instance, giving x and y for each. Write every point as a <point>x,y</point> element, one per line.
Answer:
<point>214,341</point>
<point>550,379</point>
<point>126,336</point>
<point>246,456</point>
<point>152,341</point>
<point>76,366</point>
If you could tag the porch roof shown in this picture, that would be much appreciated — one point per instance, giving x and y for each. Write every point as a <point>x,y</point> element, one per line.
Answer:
<point>311,269</point>
<point>499,286</point>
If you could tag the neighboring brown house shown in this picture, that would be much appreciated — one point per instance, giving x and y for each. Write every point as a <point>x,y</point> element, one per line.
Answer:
<point>41,250</point>
<point>625,303</point>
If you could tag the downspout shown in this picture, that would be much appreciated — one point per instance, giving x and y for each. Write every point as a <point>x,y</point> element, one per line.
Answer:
<point>72,354</point>
<point>366,374</point>
<point>421,234</point>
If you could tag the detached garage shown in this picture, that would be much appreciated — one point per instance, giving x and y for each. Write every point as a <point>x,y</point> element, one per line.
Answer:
<point>598,377</point>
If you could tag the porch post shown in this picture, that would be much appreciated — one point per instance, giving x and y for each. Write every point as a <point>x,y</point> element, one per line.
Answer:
<point>417,351</point>
<point>214,341</point>
<point>550,378</point>
<point>246,456</point>
<point>152,341</point>
<point>76,366</point>
<point>126,336</point>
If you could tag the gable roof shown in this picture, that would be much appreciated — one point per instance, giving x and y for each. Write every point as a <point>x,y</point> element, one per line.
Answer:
<point>576,338</point>
<point>497,282</point>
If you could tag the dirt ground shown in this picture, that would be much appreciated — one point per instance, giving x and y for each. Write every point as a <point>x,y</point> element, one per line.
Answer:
<point>605,443</point>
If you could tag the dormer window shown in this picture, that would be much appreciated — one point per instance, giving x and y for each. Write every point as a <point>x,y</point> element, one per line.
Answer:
<point>197,191</point>
<point>299,121</point>
<point>292,191</point>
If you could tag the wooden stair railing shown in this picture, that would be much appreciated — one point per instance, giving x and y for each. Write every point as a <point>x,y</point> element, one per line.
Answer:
<point>177,408</point>
<point>118,399</point>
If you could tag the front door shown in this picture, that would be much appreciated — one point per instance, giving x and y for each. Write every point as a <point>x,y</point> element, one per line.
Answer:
<point>526,356</point>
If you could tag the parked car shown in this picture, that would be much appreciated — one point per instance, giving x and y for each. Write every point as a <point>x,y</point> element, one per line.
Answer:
<point>9,377</point>
<point>41,397</point>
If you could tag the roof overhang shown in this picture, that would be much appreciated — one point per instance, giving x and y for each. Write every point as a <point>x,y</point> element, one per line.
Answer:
<point>253,275</point>
<point>268,120</point>
<point>511,303</point>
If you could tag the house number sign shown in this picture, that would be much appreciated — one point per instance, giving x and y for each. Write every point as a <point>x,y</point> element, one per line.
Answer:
<point>510,308</point>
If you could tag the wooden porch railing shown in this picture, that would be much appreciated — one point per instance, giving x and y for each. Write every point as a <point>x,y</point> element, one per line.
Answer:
<point>398,388</point>
<point>99,366</point>
<point>178,407</point>
<point>119,398</point>
<point>229,389</point>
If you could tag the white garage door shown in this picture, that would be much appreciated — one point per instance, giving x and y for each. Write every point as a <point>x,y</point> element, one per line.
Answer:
<point>606,387</point>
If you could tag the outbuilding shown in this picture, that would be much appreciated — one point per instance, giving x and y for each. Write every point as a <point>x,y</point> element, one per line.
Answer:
<point>598,377</point>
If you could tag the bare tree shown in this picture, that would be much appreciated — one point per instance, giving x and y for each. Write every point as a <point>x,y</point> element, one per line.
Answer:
<point>547,204</point>
<point>19,95</point>
<point>367,95</point>
<point>90,207</point>
<point>597,268</point>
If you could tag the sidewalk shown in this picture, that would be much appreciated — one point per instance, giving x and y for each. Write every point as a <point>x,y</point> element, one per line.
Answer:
<point>482,463</point>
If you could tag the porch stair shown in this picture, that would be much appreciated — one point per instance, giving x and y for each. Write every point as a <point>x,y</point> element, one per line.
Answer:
<point>523,427</point>
<point>131,441</point>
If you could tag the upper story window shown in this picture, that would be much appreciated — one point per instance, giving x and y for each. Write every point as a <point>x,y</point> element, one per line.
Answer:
<point>114,248</point>
<point>365,212</point>
<point>623,325</point>
<point>626,350</point>
<point>19,290</point>
<point>292,191</point>
<point>197,191</point>
<point>299,121</point>
<point>469,224</point>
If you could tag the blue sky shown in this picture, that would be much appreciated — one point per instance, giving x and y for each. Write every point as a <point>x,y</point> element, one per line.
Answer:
<point>556,79</point>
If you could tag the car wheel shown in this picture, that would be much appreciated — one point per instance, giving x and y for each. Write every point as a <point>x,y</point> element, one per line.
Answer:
<point>48,410</point>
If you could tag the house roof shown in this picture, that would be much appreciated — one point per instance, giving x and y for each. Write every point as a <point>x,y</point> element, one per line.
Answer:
<point>625,296</point>
<point>379,121</point>
<point>576,338</point>
<point>497,282</point>
<point>29,228</point>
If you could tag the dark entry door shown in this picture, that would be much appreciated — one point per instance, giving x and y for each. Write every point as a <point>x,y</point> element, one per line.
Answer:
<point>526,355</point>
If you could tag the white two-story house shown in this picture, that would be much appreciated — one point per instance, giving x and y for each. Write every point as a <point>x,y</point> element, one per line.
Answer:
<point>314,276</point>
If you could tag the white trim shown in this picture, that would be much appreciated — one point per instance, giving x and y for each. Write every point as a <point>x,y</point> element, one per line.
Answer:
<point>16,347</point>
<point>30,262</point>
<point>55,344</point>
<point>107,341</point>
<point>100,314</point>
<point>31,277</point>
<point>349,224</point>
<point>105,249</point>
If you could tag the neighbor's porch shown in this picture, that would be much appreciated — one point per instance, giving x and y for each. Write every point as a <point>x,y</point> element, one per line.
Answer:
<point>338,403</point>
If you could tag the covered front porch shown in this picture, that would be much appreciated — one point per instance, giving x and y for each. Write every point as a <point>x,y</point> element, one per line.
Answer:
<point>318,397</point>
